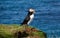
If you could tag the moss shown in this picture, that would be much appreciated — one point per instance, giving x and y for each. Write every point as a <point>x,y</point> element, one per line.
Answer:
<point>10,31</point>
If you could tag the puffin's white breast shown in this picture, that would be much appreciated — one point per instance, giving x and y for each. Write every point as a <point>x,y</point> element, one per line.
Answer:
<point>31,18</point>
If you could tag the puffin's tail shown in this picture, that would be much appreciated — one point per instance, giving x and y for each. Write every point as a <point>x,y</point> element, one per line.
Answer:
<point>23,24</point>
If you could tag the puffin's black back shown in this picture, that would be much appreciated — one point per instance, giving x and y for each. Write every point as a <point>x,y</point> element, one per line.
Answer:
<point>25,20</point>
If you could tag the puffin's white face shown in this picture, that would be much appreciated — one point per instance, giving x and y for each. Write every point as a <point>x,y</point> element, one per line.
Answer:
<point>32,10</point>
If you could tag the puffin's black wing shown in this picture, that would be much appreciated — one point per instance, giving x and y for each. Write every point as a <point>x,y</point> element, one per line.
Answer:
<point>26,20</point>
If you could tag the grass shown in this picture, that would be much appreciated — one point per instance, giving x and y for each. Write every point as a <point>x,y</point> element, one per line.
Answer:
<point>8,31</point>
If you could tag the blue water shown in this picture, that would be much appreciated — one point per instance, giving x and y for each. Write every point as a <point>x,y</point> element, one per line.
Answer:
<point>47,16</point>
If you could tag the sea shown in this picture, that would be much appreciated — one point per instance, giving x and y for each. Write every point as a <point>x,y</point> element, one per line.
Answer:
<point>47,14</point>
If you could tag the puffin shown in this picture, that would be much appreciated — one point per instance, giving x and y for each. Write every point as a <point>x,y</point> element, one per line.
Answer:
<point>29,17</point>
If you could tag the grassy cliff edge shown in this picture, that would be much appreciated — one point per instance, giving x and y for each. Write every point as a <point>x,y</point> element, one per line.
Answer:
<point>20,31</point>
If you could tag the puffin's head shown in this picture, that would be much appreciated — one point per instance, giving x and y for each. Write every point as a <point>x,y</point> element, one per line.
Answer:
<point>31,10</point>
